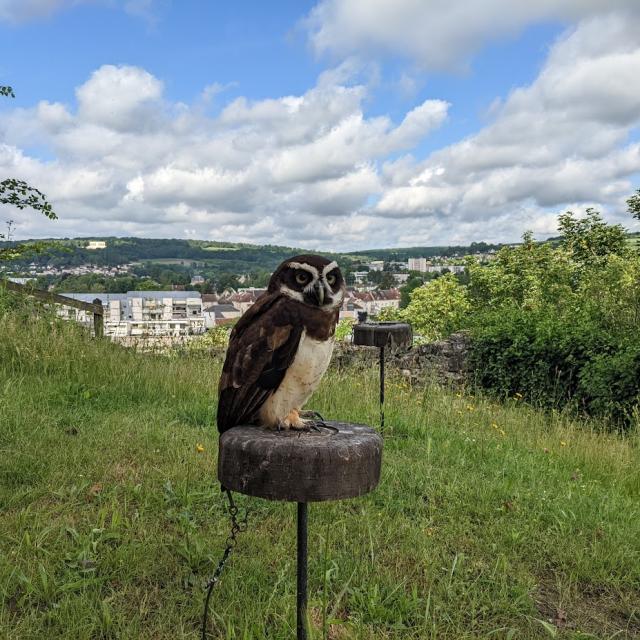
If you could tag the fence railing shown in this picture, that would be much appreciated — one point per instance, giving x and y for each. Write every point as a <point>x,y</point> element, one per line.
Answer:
<point>94,307</point>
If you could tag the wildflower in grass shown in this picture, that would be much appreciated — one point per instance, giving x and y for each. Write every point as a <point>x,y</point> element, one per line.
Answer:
<point>199,448</point>
<point>563,443</point>
<point>518,396</point>
<point>458,395</point>
<point>470,407</point>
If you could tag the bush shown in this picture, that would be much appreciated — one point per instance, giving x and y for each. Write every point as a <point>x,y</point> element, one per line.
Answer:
<point>554,323</point>
<point>438,308</point>
<point>558,330</point>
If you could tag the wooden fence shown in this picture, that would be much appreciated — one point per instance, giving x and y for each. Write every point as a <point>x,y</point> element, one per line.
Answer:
<point>94,307</point>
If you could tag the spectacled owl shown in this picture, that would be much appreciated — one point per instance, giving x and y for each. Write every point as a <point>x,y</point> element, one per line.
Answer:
<point>281,347</point>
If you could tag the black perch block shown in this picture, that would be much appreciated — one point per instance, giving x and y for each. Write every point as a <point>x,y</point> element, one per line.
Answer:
<point>337,461</point>
<point>383,334</point>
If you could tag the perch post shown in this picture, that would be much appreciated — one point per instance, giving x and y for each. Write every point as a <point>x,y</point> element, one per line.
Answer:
<point>337,461</point>
<point>382,334</point>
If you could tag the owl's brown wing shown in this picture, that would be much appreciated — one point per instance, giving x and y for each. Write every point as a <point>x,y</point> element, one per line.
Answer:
<point>262,346</point>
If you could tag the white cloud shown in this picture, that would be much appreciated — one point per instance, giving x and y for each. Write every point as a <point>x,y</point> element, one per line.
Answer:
<point>436,34</point>
<point>559,141</point>
<point>316,170</point>
<point>120,98</point>
<point>128,155</point>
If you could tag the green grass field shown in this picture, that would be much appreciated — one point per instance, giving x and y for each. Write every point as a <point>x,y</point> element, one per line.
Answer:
<point>490,521</point>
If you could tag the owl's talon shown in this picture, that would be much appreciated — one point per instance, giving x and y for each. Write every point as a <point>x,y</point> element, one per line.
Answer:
<point>312,414</point>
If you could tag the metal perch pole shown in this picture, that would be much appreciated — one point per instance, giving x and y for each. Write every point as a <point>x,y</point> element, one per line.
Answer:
<point>382,335</point>
<point>382,389</point>
<point>301,625</point>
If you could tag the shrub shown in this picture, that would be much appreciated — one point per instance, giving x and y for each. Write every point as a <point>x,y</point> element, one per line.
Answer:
<point>555,322</point>
<point>438,308</point>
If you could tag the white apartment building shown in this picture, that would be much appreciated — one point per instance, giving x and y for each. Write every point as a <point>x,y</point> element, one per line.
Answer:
<point>143,314</point>
<point>422,265</point>
<point>417,264</point>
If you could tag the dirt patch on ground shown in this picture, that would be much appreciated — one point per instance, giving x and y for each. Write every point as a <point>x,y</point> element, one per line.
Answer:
<point>589,608</point>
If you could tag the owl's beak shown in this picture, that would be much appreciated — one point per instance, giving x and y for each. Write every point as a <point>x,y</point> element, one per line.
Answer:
<point>318,291</point>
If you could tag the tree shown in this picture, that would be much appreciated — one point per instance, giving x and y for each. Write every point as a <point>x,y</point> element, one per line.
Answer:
<point>591,239</point>
<point>633,204</point>
<point>387,281</point>
<point>412,283</point>
<point>438,308</point>
<point>19,194</point>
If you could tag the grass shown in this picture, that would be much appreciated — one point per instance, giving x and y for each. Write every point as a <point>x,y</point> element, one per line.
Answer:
<point>490,520</point>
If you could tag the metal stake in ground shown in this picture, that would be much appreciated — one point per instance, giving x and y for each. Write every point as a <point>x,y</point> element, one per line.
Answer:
<point>381,335</point>
<point>382,389</point>
<point>301,609</point>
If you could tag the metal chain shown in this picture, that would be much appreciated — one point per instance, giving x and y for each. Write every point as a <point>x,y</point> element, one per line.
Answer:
<point>237,526</point>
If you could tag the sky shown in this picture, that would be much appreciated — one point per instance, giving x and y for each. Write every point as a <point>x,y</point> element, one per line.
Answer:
<point>336,124</point>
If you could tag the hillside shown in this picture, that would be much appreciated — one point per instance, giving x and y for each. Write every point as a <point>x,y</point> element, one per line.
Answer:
<point>490,521</point>
<point>208,256</point>
<point>230,257</point>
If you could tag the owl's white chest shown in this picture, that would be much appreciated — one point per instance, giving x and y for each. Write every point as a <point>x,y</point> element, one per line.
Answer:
<point>301,379</point>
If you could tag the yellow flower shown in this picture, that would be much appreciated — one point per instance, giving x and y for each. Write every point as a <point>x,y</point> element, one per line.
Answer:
<point>494,425</point>
<point>563,443</point>
<point>470,407</point>
<point>458,395</point>
<point>502,433</point>
<point>199,448</point>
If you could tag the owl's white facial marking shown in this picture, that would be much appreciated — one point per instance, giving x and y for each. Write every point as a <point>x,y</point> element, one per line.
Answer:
<point>296,295</point>
<point>330,267</point>
<point>336,301</point>
<point>306,267</point>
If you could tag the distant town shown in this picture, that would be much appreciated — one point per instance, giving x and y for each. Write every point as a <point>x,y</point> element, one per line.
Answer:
<point>186,296</point>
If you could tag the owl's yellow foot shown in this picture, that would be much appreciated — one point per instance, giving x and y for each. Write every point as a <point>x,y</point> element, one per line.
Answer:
<point>292,421</point>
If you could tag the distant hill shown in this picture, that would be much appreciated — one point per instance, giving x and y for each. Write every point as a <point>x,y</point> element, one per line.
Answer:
<point>226,256</point>
<point>404,253</point>
<point>229,257</point>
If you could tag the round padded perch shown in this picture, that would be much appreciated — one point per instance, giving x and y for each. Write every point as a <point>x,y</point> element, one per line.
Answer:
<point>337,461</point>
<point>383,334</point>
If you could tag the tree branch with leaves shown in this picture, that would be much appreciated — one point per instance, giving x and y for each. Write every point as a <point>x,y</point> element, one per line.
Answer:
<point>23,196</point>
<point>633,204</point>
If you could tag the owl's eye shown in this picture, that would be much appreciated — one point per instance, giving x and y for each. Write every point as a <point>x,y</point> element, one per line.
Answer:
<point>331,279</point>
<point>302,278</point>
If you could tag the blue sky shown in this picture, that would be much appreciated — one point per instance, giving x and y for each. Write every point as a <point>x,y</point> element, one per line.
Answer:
<point>334,124</point>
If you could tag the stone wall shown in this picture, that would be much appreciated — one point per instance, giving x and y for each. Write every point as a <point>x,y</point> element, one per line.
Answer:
<point>443,361</point>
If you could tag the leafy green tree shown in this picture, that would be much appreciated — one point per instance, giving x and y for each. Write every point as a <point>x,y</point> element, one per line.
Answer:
<point>633,204</point>
<point>389,314</point>
<point>387,281</point>
<point>19,194</point>
<point>530,275</point>
<point>438,308</point>
<point>344,329</point>
<point>590,239</point>
<point>415,280</point>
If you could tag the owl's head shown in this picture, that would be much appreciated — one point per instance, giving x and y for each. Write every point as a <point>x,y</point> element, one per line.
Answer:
<point>310,279</point>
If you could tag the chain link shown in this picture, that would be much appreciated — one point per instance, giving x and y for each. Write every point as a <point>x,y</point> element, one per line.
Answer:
<point>237,526</point>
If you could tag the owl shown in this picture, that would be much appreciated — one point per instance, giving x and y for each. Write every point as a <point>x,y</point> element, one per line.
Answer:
<point>281,347</point>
